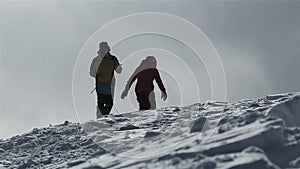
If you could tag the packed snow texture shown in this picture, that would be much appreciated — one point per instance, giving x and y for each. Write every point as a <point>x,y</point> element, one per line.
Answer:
<point>249,134</point>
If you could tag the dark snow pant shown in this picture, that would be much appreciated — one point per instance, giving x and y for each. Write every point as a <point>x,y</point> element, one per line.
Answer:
<point>146,100</point>
<point>104,99</point>
<point>105,103</point>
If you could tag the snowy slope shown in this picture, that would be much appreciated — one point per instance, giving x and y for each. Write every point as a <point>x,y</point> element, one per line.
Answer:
<point>249,134</point>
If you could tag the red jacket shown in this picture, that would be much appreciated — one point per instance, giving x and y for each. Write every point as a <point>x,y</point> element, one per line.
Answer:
<point>145,80</point>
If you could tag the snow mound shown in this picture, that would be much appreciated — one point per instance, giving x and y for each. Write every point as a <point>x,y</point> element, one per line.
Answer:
<point>48,147</point>
<point>249,134</point>
<point>288,111</point>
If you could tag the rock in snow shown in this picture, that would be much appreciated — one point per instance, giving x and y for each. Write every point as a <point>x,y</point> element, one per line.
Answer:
<point>249,134</point>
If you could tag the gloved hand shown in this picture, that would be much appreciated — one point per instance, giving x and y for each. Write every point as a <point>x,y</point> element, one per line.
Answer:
<point>124,94</point>
<point>163,95</point>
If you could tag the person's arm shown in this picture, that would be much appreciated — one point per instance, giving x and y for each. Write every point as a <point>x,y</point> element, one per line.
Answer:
<point>130,81</point>
<point>132,78</point>
<point>93,69</point>
<point>119,69</point>
<point>117,65</point>
<point>160,85</point>
<point>159,81</point>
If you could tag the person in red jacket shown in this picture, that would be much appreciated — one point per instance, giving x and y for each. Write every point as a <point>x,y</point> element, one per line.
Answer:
<point>145,74</point>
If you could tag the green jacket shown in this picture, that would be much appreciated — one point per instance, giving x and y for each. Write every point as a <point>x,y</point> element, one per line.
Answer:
<point>105,71</point>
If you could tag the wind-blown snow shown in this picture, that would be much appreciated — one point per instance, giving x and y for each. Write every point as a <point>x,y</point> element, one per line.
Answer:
<point>249,134</point>
<point>288,111</point>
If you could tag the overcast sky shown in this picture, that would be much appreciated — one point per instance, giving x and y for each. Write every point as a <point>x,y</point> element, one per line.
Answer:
<point>258,44</point>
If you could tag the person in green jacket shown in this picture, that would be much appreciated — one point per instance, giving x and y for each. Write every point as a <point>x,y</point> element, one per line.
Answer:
<point>102,69</point>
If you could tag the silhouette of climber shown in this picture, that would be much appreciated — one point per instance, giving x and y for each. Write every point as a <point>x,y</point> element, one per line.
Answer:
<point>102,69</point>
<point>145,74</point>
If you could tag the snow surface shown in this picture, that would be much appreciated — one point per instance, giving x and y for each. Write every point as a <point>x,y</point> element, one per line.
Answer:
<point>249,134</point>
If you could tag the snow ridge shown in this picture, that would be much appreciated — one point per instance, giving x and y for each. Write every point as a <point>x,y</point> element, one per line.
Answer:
<point>249,134</point>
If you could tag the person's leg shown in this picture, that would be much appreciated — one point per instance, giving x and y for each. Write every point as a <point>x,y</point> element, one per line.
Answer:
<point>98,113</point>
<point>143,100</point>
<point>108,104</point>
<point>100,101</point>
<point>152,101</point>
<point>100,104</point>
